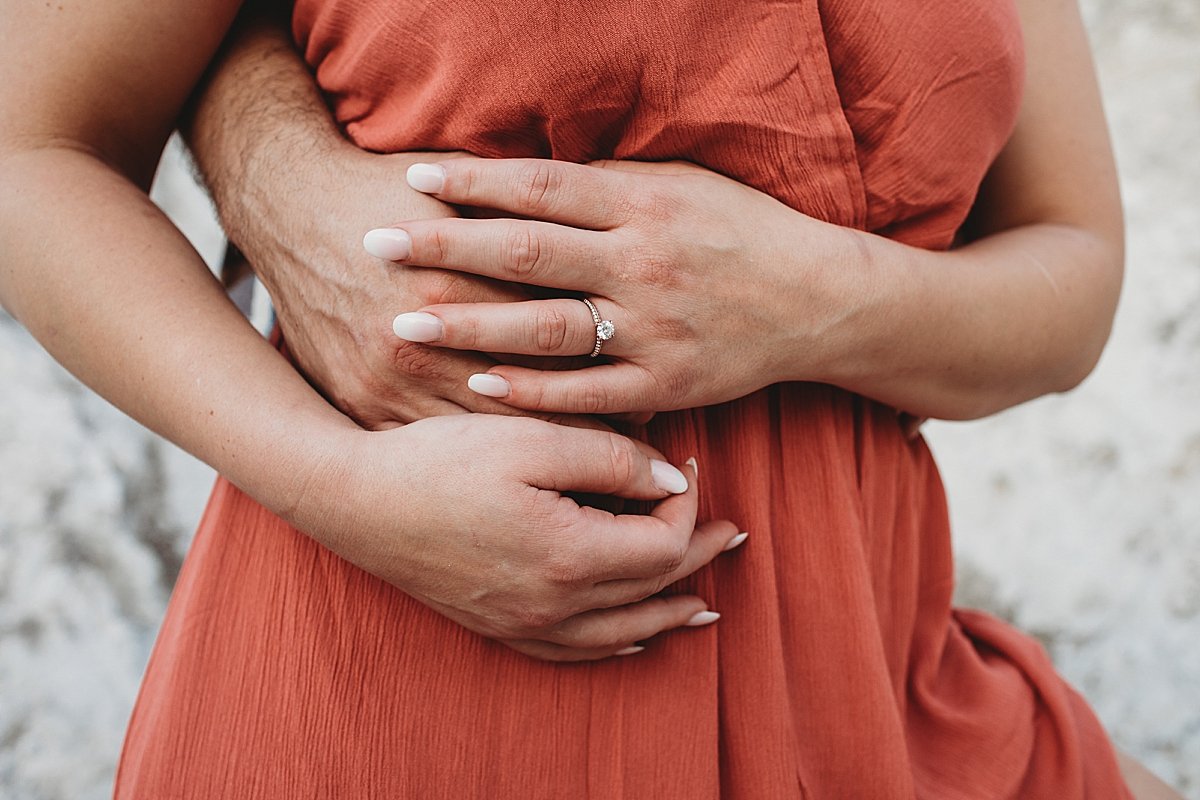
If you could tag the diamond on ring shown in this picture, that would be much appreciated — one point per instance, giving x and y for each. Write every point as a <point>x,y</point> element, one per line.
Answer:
<point>605,329</point>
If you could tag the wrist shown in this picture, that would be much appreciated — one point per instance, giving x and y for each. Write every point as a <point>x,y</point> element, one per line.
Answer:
<point>311,480</point>
<point>830,304</point>
<point>339,494</point>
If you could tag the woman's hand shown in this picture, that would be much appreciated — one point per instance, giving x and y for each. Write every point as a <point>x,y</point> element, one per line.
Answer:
<point>696,272</point>
<point>515,559</point>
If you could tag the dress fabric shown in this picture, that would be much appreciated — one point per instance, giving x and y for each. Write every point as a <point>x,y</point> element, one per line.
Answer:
<point>839,668</point>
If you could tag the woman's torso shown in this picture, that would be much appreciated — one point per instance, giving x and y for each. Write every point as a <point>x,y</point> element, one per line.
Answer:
<point>838,668</point>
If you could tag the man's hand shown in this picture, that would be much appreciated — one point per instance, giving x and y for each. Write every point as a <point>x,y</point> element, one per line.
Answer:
<point>296,198</point>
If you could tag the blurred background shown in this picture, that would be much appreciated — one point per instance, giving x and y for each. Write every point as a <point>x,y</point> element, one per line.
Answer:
<point>1077,517</point>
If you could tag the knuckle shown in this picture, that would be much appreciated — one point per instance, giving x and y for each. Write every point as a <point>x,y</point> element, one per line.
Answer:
<point>622,460</point>
<point>435,287</point>
<point>654,267</point>
<point>523,252</point>
<point>436,247</point>
<point>417,361</point>
<point>594,635</point>
<point>550,329</point>
<point>657,207</point>
<point>464,331</point>
<point>533,395</point>
<point>537,183</point>
<point>594,398</point>
<point>565,565</point>
<point>566,572</point>
<point>464,177</point>
<point>530,435</point>
<point>675,384</point>
<point>672,328</point>
<point>536,618</point>
<point>671,559</point>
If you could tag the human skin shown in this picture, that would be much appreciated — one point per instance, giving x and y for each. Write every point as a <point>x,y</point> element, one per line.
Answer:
<point>1022,311</point>
<point>280,83</point>
<point>295,195</point>
<point>99,275</point>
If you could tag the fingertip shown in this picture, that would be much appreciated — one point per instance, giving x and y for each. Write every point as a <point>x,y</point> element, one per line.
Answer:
<point>390,244</point>
<point>735,541</point>
<point>418,326</point>
<point>426,178</point>
<point>702,618</point>
<point>489,385</point>
<point>667,478</point>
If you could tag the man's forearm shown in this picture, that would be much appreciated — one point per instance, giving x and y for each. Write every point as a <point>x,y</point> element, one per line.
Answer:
<point>259,129</point>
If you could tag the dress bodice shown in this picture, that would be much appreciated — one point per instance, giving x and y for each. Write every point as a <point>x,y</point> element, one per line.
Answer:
<point>878,115</point>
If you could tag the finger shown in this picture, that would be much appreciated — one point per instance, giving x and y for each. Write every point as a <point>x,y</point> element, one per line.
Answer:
<point>635,418</point>
<point>599,462</point>
<point>615,628</point>
<point>708,541</point>
<point>606,389</point>
<point>632,546</point>
<point>513,250</point>
<point>555,191</point>
<point>441,376</point>
<point>562,327</point>
<point>650,167</point>
<point>548,651</point>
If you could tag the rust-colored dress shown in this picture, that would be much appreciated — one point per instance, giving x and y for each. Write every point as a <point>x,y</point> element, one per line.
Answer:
<point>838,669</point>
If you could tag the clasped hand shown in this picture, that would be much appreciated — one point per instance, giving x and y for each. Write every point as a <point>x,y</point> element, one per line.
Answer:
<point>697,273</point>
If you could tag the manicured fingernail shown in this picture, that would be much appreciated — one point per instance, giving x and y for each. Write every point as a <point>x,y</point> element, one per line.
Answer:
<point>488,385</point>
<point>694,465</point>
<point>667,477</point>
<point>628,651</point>
<point>417,326</point>
<point>388,243</point>
<point>703,618</point>
<point>735,541</point>
<point>429,178</point>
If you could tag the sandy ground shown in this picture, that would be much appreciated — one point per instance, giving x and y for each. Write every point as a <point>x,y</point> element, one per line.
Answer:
<point>1077,517</point>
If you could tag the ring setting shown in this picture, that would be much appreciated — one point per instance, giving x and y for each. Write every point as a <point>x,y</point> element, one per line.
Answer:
<point>605,329</point>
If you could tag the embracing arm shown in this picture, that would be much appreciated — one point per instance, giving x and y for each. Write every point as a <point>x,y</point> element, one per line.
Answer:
<point>1025,309</point>
<point>296,196</point>
<point>117,295</point>
<point>97,273</point>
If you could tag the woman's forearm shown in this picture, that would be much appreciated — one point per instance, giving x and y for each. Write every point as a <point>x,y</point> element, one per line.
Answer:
<point>118,296</point>
<point>1027,307</point>
<point>966,333</point>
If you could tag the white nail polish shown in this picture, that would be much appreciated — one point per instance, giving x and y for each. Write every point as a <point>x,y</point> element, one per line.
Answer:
<point>667,477</point>
<point>735,541</point>
<point>488,385</point>
<point>428,178</point>
<point>389,244</point>
<point>417,326</point>
<point>691,462</point>
<point>628,651</point>
<point>703,618</point>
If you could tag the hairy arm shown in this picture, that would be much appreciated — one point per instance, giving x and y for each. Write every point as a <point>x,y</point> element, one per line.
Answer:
<point>296,197</point>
